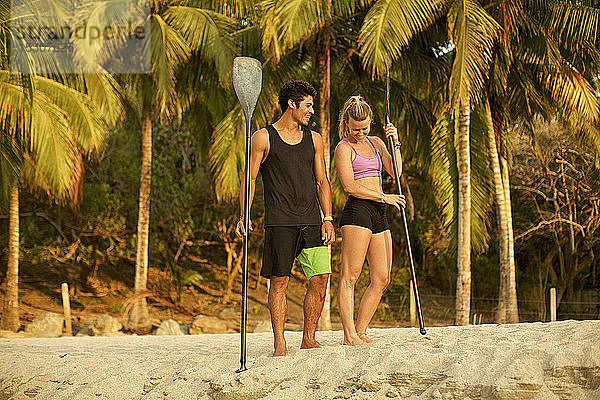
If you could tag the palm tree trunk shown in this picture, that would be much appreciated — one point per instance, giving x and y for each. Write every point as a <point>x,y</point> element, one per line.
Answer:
<point>324,65</point>
<point>10,313</point>
<point>512,312</point>
<point>139,317</point>
<point>501,215</point>
<point>463,280</point>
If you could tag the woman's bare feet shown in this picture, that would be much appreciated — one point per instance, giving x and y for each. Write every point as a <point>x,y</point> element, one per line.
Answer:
<point>280,349</point>
<point>280,352</point>
<point>353,341</point>
<point>365,338</point>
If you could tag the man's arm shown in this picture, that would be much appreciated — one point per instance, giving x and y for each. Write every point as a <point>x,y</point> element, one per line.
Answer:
<point>323,189</point>
<point>259,149</point>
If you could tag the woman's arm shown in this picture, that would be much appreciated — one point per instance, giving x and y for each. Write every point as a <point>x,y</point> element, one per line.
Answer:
<point>386,157</point>
<point>343,165</point>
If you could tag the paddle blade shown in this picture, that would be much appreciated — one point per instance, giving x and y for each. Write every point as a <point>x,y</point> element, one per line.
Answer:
<point>247,82</point>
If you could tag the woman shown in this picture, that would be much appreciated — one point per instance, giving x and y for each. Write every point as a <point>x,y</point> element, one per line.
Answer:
<point>359,160</point>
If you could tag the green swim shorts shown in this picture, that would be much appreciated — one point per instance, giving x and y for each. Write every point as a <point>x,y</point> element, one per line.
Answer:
<point>284,243</point>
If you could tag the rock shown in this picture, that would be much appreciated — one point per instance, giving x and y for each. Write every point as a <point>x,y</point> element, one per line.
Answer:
<point>105,325</point>
<point>46,325</point>
<point>14,335</point>
<point>169,327</point>
<point>84,332</point>
<point>205,324</point>
<point>229,313</point>
<point>114,334</point>
<point>8,334</point>
<point>185,329</point>
<point>262,326</point>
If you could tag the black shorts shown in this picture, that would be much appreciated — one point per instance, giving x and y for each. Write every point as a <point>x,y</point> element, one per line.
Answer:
<point>285,243</point>
<point>366,213</point>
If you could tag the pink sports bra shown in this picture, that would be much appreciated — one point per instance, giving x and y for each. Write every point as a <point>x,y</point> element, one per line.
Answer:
<point>365,167</point>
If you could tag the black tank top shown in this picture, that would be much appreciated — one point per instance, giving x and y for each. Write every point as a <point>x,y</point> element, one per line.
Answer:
<point>289,181</point>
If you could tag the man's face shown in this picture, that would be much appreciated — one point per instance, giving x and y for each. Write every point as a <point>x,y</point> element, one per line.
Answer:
<point>302,111</point>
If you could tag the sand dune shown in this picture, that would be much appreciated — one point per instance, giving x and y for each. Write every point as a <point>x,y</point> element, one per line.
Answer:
<point>523,361</point>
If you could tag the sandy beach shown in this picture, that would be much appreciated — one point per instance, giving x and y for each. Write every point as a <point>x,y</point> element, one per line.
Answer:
<point>524,361</point>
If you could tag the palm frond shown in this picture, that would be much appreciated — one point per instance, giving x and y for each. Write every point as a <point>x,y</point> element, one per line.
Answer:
<point>473,32</point>
<point>572,91</point>
<point>389,27</point>
<point>576,21</point>
<point>37,180</point>
<point>345,8</point>
<point>105,13</point>
<point>538,56</point>
<point>83,117</point>
<point>25,32</point>
<point>249,41</point>
<point>197,82</point>
<point>208,32</point>
<point>271,43</point>
<point>482,188</point>
<point>168,49</point>
<point>509,14</point>
<point>49,130</point>
<point>105,92</point>
<point>227,154</point>
<point>444,175</point>
<point>238,9</point>
<point>296,20</point>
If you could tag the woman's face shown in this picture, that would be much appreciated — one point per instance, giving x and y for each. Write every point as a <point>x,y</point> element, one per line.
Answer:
<point>358,130</point>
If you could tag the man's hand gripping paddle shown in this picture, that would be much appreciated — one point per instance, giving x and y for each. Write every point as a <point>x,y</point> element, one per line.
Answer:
<point>397,175</point>
<point>247,82</point>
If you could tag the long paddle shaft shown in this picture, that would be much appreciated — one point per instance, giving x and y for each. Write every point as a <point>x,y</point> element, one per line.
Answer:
<point>245,259</point>
<point>247,81</point>
<point>397,176</point>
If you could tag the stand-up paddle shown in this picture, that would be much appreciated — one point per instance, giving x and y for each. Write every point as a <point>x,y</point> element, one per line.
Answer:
<point>247,82</point>
<point>393,147</point>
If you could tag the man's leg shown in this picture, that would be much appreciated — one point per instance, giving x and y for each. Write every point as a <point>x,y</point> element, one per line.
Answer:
<point>278,308</point>
<point>316,266</point>
<point>313,305</point>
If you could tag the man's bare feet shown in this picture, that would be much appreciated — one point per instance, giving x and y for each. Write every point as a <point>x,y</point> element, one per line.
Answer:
<point>353,341</point>
<point>309,344</point>
<point>365,338</point>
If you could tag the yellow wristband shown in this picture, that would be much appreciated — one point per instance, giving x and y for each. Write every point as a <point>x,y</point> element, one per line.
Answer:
<point>329,218</point>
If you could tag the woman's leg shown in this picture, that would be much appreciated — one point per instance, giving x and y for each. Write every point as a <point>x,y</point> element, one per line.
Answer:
<point>355,242</point>
<point>379,256</point>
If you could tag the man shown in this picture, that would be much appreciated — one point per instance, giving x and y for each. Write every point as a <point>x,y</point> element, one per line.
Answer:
<point>290,159</point>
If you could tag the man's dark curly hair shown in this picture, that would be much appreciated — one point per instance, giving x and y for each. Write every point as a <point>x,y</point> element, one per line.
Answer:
<point>295,90</point>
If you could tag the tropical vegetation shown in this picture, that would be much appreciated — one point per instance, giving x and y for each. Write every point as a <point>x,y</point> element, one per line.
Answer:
<point>497,104</point>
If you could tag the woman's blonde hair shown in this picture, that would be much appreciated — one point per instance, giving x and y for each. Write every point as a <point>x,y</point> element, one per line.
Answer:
<point>356,108</point>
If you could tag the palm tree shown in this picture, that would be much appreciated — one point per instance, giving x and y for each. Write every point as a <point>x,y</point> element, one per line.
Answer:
<point>389,28</point>
<point>524,34</point>
<point>45,128</point>
<point>537,70</point>
<point>48,123</point>
<point>179,29</point>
